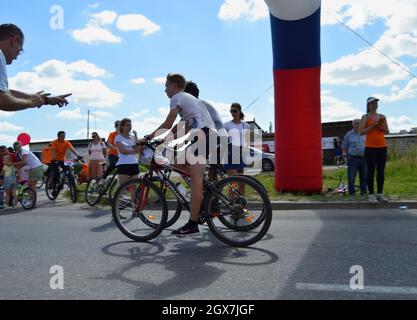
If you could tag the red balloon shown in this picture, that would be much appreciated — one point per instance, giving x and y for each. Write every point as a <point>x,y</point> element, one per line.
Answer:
<point>24,139</point>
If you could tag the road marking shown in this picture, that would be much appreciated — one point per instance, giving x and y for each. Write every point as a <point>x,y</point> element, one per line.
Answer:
<point>346,288</point>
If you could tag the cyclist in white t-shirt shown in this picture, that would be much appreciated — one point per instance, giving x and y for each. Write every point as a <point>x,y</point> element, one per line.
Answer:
<point>31,162</point>
<point>196,120</point>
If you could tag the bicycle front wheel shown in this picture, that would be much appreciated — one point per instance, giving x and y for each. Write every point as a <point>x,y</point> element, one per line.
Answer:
<point>72,189</point>
<point>49,188</point>
<point>93,192</point>
<point>139,210</point>
<point>28,198</point>
<point>243,212</point>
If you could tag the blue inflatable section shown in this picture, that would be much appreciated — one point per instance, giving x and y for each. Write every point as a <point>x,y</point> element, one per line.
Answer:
<point>299,42</point>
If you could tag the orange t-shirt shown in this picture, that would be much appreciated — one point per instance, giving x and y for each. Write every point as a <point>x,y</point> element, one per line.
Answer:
<point>110,139</point>
<point>374,138</point>
<point>60,148</point>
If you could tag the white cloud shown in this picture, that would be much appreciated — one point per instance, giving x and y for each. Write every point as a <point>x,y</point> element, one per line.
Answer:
<point>70,114</point>
<point>5,114</point>
<point>333,109</point>
<point>368,67</point>
<point>93,6</point>
<point>137,22</point>
<point>7,140</point>
<point>59,77</point>
<point>77,114</point>
<point>94,35</point>
<point>408,92</point>
<point>138,80</point>
<point>57,68</point>
<point>103,18</point>
<point>82,133</point>
<point>159,80</point>
<point>7,126</point>
<point>252,10</point>
<point>397,124</point>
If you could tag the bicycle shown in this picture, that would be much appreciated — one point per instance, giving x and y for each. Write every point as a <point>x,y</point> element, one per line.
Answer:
<point>341,161</point>
<point>26,196</point>
<point>65,177</point>
<point>95,190</point>
<point>232,223</point>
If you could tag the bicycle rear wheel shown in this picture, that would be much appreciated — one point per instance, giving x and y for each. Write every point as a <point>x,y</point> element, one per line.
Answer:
<point>28,198</point>
<point>243,218</point>
<point>93,192</point>
<point>139,210</point>
<point>40,183</point>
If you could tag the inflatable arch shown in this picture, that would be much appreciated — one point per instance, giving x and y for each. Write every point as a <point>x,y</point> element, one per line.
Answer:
<point>295,26</point>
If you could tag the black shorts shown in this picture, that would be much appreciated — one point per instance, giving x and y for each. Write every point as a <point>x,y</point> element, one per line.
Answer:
<point>206,133</point>
<point>128,169</point>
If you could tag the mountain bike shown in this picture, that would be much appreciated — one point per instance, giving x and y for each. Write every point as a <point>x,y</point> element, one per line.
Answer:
<point>65,177</point>
<point>140,208</point>
<point>97,188</point>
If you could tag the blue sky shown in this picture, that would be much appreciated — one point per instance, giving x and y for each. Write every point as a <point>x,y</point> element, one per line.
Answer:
<point>113,54</point>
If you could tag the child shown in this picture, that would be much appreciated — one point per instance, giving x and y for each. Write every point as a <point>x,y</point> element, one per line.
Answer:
<point>9,173</point>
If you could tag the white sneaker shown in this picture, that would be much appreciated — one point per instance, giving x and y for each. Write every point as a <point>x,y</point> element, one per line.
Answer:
<point>382,198</point>
<point>372,199</point>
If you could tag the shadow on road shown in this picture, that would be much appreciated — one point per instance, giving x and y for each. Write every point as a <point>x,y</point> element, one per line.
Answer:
<point>192,263</point>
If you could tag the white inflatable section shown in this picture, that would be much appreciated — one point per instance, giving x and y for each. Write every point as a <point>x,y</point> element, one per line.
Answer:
<point>293,9</point>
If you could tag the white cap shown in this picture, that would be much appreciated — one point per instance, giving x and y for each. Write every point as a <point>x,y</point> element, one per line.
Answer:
<point>370,99</point>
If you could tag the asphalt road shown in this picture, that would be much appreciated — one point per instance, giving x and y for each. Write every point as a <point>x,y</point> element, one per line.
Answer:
<point>306,255</point>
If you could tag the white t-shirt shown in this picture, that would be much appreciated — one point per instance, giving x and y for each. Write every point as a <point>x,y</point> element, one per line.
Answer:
<point>192,111</point>
<point>31,160</point>
<point>236,133</point>
<point>4,83</point>
<point>128,144</point>
<point>97,151</point>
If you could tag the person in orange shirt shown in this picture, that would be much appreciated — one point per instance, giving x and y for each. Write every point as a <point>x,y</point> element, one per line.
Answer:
<point>375,127</point>
<point>60,147</point>
<point>112,151</point>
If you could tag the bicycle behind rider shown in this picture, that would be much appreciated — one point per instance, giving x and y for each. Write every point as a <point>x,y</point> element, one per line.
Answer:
<point>59,148</point>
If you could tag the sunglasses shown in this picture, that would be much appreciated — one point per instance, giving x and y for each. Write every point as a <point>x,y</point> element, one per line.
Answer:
<point>234,111</point>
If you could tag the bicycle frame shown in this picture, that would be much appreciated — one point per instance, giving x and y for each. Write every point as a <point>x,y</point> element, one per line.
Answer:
<point>164,172</point>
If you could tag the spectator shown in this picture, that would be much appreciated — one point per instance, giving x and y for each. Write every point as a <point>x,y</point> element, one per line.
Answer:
<point>236,130</point>
<point>11,46</point>
<point>112,152</point>
<point>353,146</point>
<point>374,126</point>
<point>337,149</point>
<point>4,151</point>
<point>97,152</point>
<point>9,175</point>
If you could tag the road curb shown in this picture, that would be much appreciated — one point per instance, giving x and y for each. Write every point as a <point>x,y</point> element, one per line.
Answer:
<point>289,205</point>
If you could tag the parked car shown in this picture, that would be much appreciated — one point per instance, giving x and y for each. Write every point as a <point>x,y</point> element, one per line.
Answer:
<point>268,159</point>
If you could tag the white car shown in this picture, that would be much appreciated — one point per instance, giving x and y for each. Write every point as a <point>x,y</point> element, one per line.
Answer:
<point>268,159</point>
